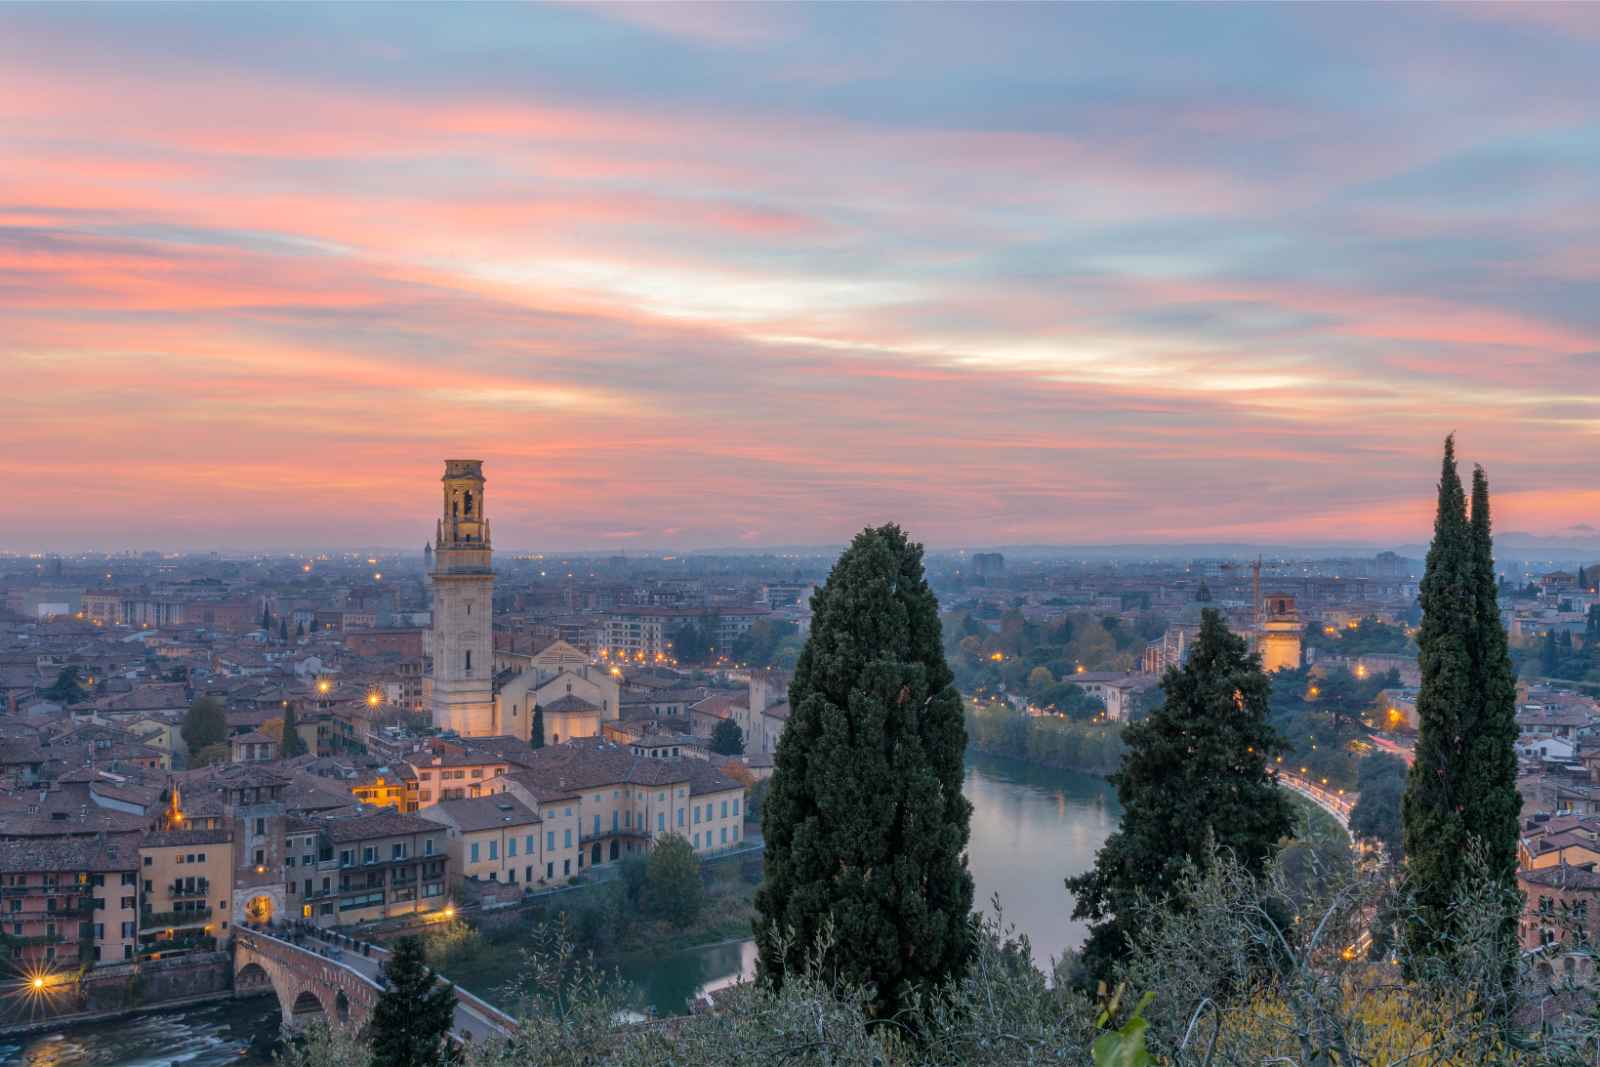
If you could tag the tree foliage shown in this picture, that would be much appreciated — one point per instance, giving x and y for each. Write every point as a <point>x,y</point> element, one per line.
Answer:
<point>727,739</point>
<point>536,734</point>
<point>673,889</point>
<point>1196,772</point>
<point>1461,792</point>
<point>293,744</point>
<point>67,689</point>
<point>865,824</point>
<point>412,1019</point>
<point>204,724</point>
<point>1376,815</point>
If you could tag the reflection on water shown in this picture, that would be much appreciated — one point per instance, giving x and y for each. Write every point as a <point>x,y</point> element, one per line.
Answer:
<point>1031,827</point>
<point>239,1032</point>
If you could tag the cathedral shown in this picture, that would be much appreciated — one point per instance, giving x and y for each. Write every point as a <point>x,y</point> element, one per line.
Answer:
<point>478,692</point>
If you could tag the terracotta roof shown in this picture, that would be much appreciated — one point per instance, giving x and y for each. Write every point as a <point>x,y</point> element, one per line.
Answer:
<point>171,838</point>
<point>378,824</point>
<point>485,813</point>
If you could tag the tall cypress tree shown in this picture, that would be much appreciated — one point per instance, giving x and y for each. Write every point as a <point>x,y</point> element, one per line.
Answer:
<point>412,1019</point>
<point>1196,770</point>
<point>865,823</point>
<point>1491,807</point>
<point>1452,770</point>
<point>536,729</point>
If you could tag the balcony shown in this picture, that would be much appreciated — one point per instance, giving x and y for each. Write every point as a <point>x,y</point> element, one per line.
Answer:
<point>201,888</point>
<point>163,920</point>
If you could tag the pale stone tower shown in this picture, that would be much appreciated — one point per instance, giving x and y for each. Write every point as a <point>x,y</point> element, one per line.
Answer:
<point>1279,633</point>
<point>463,607</point>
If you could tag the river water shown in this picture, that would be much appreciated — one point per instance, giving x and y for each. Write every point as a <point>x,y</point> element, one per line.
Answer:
<point>1031,827</point>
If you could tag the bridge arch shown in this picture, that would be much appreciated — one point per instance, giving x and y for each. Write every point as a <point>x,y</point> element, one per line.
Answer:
<point>306,1003</point>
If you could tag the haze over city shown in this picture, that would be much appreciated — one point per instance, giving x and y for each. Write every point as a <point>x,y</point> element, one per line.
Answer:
<point>701,276</point>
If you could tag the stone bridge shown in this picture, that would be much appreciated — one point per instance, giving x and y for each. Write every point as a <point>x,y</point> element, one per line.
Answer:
<point>313,978</point>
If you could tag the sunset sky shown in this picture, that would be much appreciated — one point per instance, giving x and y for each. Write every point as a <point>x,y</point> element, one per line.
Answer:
<point>705,276</point>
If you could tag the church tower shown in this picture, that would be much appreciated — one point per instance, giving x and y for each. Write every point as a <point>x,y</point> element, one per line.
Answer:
<point>463,606</point>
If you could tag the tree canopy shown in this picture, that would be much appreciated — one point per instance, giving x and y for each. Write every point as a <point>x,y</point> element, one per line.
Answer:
<point>204,724</point>
<point>866,827</point>
<point>727,739</point>
<point>1196,776</point>
<point>1461,797</point>
<point>411,1022</point>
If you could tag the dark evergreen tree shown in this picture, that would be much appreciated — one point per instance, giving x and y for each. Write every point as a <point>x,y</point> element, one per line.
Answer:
<point>205,725</point>
<point>283,630</point>
<point>1197,770</point>
<point>410,1024</point>
<point>293,744</point>
<point>865,823</point>
<point>1591,628</point>
<point>299,629</point>
<point>536,737</point>
<point>266,618</point>
<point>1461,791</point>
<point>1548,657</point>
<point>1491,805</point>
<point>67,688</point>
<point>727,739</point>
<point>1583,578</point>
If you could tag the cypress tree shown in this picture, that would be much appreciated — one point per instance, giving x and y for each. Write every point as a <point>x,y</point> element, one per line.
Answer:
<point>1461,790</point>
<point>412,1019</point>
<point>865,823</point>
<point>293,744</point>
<point>536,737</point>
<point>1197,770</point>
<point>1491,806</point>
<point>283,630</point>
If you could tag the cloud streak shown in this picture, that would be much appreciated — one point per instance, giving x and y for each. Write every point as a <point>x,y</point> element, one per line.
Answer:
<point>1119,274</point>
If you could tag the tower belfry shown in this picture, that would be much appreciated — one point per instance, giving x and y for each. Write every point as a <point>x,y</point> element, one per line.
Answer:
<point>463,606</point>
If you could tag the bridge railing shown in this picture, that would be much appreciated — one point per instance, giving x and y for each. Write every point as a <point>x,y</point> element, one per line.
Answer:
<point>488,1013</point>
<point>246,933</point>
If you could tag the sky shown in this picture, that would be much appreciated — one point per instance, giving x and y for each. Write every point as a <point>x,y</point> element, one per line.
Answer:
<point>694,276</point>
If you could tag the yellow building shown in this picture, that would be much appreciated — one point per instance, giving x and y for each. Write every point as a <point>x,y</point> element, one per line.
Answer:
<point>187,881</point>
<point>493,838</point>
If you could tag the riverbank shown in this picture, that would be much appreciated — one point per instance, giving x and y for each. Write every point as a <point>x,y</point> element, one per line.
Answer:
<point>485,954</point>
<point>1047,740</point>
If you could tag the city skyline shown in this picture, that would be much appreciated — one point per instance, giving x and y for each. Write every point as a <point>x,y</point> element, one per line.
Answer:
<point>701,277</point>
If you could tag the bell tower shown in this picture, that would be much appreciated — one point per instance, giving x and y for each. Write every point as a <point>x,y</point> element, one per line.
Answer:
<point>463,606</point>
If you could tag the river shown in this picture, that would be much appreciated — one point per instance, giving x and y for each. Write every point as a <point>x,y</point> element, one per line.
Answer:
<point>1031,827</point>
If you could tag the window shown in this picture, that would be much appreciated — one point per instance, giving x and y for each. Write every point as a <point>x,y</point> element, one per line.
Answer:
<point>527,845</point>
<point>148,860</point>
<point>661,821</point>
<point>494,850</point>
<point>261,826</point>
<point>347,856</point>
<point>568,841</point>
<point>736,805</point>
<point>427,847</point>
<point>697,815</point>
<point>469,659</point>
<point>474,852</point>
<point>369,854</point>
<point>566,866</point>
<point>550,870</point>
<point>550,840</point>
<point>724,835</point>
<point>724,809</point>
<point>511,847</point>
<point>697,839</point>
<point>680,816</point>
<point>398,851</point>
<point>597,823</point>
